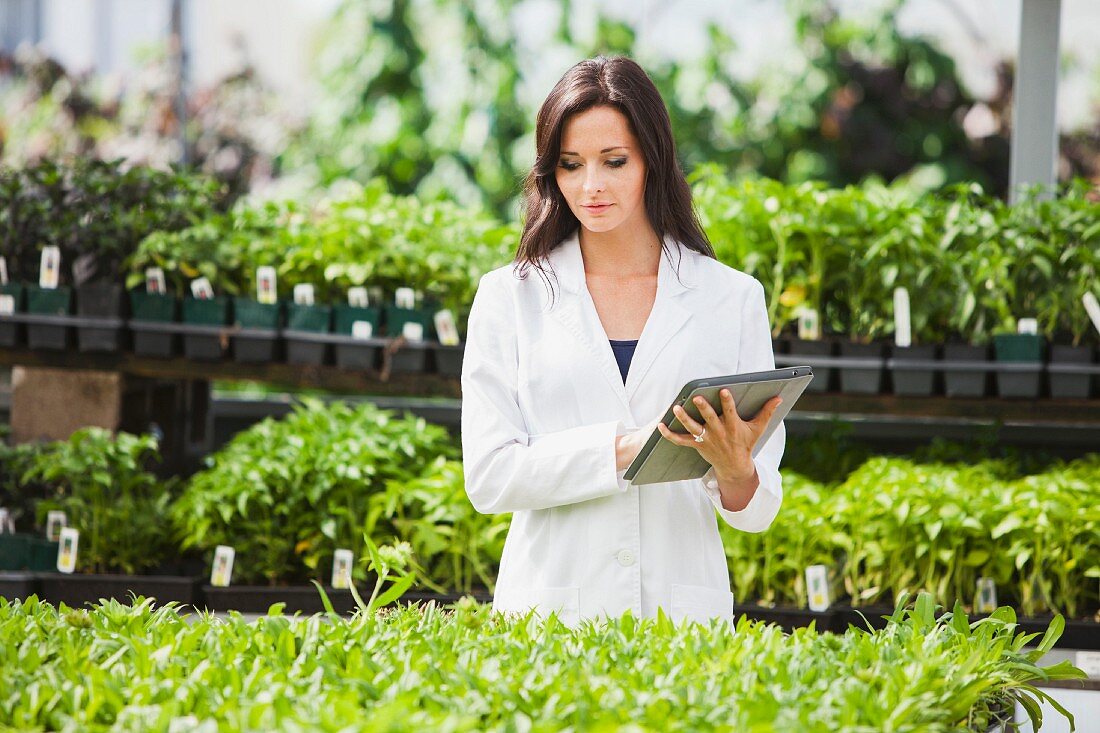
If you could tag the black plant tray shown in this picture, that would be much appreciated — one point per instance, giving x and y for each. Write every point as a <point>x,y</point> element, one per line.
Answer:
<point>307,347</point>
<point>965,378</point>
<point>48,331</point>
<point>18,585</point>
<point>155,338</point>
<point>78,589</point>
<point>256,345</point>
<point>1074,381</point>
<point>448,359</point>
<point>913,377</point>
<point>258,598</point>
<point>100,334</point>
<point>1018,379</point>
<point>201,342</point>
<point>357,354</point>
<point>787,618</point>
<point>411,357</point>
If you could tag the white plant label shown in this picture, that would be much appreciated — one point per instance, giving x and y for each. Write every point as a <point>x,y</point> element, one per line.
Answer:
<point>265,284</point>
<point>1092,307</point>
<point>1027,325</point>
<point>404,298</point>
<point>445,327</point>
<point>68,544</point>
<point>341,568</point>
<point>222,572</point>
<point>809,327</point>
<point>817,587</point>
<point>362,330</point>
<point>7,305</point>
<point>903,331</point>
<point>1089,663</point>
<point>7,525</point>
<point>201,289</point>
<point>413,331</point>
<point>987,596</point>
<point>357,297</point>
<point>303,294</point>
<point>56,520</point>
<point>3,270</point>
<point>50,269</point>
<point>154,281</point>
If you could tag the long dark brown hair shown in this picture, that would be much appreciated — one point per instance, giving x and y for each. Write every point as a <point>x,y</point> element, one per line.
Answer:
<point>622,84</point>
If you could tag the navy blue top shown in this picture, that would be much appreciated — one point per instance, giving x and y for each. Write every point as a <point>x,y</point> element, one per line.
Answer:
<point>624,352</point>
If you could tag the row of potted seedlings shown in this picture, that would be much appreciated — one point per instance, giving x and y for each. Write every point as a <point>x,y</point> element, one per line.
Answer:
<point>1013,366</point>
<point>363,334</point>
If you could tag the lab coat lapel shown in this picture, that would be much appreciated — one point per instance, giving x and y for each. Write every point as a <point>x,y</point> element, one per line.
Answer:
<point>575,310</point>
<point>668,315</point>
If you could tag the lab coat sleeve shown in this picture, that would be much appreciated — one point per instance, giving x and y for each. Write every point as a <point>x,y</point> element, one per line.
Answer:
<point>506,469</point>
<point>755,356</point>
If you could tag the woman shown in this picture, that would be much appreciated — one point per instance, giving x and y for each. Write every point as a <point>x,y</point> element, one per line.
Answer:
<point>565,375</point>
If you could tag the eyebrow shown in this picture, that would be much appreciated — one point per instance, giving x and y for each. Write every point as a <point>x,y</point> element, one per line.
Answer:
<point>605,150</point>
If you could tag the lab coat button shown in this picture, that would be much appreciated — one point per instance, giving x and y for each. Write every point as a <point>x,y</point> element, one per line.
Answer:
<point>625,557</point>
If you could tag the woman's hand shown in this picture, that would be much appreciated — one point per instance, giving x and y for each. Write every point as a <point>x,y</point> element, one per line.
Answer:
<point>729,440</point>
<point>627,447</point>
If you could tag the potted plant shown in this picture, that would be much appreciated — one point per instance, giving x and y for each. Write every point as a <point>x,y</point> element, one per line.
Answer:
<point>209,251</point>
<point>100,481</point>
<point>110,209</point>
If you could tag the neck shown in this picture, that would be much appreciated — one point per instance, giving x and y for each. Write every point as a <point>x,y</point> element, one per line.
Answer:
<point>621,253</point>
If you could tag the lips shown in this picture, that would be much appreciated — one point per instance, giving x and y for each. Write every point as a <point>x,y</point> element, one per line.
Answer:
<point>596,209</point>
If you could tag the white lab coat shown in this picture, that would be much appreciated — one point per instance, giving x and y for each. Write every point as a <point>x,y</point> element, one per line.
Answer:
<point>542,403</point>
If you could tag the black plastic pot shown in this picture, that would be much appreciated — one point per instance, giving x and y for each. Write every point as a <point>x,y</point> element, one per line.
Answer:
<point>862,367</point>
<point>965,370</point>
<point>151,323</point>
<point>15,586</point>
<point>448,359</point>
<point>780,345</point>
<point>101,307</point>
<point>77,589</point>
<point>411,357</point>
<point>358,354</point>
<point>258,598</point>
<point>11,330</point>
<point>49,322</point>
<point>787,618</point>
<point>205,335</point>
<point>1072,371</point>
<point>913,369</point>
<point>1019,364</point>
<point>818,354</point>
<point>303,325</point>
<point>257,338</point>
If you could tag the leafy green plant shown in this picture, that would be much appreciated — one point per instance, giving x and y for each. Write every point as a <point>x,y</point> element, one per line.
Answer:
<point>456,545</point>
<point>102,483</point>
<point>137,668</point>
<point>96,212</point>
<point>286,493</point>
<point>894,527</point>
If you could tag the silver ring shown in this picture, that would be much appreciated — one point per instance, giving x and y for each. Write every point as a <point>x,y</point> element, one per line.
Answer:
<point>699,437</point>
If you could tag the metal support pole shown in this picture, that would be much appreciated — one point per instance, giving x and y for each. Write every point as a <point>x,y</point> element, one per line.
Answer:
<point>178,54</point>
<point>1034,98</point>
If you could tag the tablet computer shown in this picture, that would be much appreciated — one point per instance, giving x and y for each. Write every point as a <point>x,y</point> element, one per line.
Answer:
<point>661,460</point>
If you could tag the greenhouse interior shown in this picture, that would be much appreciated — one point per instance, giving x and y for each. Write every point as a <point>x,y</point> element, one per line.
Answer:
<point>538,365</point>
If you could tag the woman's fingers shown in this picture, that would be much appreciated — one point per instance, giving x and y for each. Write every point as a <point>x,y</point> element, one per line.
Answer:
<point>677,438</point>
<point>690,423</point>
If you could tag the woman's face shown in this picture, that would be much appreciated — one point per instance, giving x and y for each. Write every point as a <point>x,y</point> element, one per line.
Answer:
<point>600,170</point>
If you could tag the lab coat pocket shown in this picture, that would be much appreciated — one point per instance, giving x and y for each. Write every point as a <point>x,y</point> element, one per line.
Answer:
<point>564,600</point>
<point>700,603</point>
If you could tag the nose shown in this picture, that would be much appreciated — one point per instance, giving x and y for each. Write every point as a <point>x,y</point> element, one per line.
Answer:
<point>593,183</point>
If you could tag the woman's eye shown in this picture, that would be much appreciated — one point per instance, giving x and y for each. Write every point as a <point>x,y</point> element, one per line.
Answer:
<point>617,163</point>
<point>569,166</point>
